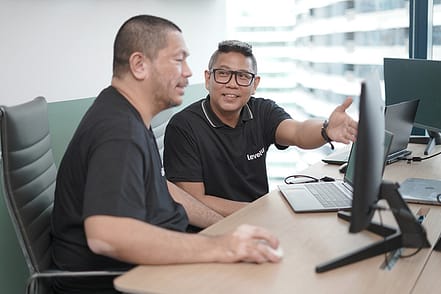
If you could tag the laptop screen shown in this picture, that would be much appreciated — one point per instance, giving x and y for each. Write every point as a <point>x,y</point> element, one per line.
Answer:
<point>349,175</point>
<point>399,120</point>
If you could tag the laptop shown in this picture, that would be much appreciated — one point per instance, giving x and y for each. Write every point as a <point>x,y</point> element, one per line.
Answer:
<point>424,191</point>
<point>327,196</point>
<point>399,120</point>
<point>338,157</point>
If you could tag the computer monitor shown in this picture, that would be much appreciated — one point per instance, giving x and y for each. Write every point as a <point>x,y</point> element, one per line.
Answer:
<point>408,79</point>
<point>369,157</point>
<point>369,186</point>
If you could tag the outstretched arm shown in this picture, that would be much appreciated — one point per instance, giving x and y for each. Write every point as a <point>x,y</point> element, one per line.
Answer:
<point>307,134</point>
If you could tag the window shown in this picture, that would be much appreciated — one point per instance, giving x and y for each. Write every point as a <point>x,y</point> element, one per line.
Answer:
<point>313,54</point>
<point>436,30</point>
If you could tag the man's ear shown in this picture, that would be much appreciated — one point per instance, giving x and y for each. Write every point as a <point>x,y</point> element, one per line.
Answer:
<point>207,79</point>
<point>255,85</point>
<point>138,65</point>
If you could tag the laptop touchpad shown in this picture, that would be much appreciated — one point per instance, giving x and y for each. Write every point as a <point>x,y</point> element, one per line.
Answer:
<point>301,199</point>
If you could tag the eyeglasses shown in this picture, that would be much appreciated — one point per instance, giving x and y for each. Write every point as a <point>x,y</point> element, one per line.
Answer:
<point>223,76</point>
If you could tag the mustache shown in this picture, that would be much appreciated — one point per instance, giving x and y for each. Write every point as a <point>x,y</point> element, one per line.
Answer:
<point>184,83</point>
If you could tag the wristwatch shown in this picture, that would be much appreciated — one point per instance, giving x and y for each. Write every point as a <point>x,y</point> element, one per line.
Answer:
<point>325,134</point>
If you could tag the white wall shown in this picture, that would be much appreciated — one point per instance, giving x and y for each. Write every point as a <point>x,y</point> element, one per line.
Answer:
<point>62,49</point>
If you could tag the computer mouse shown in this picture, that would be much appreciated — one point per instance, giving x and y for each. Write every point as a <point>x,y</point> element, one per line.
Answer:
<point>277,251</point>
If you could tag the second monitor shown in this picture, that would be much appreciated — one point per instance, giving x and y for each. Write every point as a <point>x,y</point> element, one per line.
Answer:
<point>408,79</point>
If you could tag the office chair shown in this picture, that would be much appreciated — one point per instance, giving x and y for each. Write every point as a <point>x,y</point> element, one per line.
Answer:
<point>29,175</point>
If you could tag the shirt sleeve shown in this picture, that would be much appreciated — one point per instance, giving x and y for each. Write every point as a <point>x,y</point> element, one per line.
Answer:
<point>115,184</point>
<point>274,115</point>
<point>181,153</point>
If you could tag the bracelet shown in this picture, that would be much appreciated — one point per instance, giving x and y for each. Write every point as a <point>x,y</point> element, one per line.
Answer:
<point>325,134</point>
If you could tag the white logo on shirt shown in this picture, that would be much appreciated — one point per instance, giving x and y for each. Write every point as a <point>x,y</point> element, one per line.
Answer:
<point>256,155</point>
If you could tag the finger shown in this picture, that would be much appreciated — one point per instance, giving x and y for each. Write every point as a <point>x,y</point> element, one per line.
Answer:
<point>256,257</point>
<point>261,234</point>
<point>272,255</point>
<point>351,133</point>
<point>267,252</point>
<point>254,253</point>
<point>353,124</point>
<point>345,105</point>
<point>345,140</point>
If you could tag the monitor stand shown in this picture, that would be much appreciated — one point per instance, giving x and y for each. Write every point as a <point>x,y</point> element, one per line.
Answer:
<point>437,246</point>
<point>411,233</point>
<point>433,139</point>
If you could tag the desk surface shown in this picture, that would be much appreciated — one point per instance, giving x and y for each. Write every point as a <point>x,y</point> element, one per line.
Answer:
<point>307,240</point>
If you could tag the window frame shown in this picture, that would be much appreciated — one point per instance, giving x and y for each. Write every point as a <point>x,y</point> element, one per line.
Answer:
<point>420,29</point>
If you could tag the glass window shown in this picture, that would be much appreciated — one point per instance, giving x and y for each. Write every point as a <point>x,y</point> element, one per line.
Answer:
<point>313,54</point>
<point>436,30</point>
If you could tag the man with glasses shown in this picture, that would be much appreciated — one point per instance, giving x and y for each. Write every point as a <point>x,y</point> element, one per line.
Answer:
<point>215,149</point>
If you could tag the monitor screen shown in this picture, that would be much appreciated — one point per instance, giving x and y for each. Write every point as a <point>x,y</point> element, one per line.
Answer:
<point>408,79</point>
<point>372,145</point>
<point>369,156</point>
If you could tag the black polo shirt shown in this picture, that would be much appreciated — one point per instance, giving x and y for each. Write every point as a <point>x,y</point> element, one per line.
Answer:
<point>111,167</point>
<point>230,161</point>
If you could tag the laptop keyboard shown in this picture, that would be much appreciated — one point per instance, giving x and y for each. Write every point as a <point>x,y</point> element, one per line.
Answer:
<point>329,195</point>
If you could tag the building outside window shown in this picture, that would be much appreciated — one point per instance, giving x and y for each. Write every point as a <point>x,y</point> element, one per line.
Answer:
<point>313,54</point>
<point>436,30</point>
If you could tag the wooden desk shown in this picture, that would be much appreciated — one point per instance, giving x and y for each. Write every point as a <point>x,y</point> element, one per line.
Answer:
<point>429,281</point>
<point>307,240</point>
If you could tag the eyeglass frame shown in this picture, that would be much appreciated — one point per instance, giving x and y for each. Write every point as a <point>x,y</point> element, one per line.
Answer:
<point>235,73</point>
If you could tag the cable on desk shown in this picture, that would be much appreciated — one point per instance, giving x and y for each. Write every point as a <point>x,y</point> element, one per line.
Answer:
<point>301,179</point>
<point>404,213</point>
<point>418,158</point>
<point>411,254</point>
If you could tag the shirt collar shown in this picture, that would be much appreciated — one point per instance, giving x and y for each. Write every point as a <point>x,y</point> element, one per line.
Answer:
<point>245,114</point>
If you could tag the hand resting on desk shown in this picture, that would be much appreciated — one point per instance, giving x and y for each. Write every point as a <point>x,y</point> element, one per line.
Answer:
<point>278,251</point>
<point>250,244</point>
<point>132,241</point>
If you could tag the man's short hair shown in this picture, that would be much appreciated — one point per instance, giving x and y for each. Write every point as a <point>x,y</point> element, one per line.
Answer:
<point>234,46</point>
<point>143,33</point>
